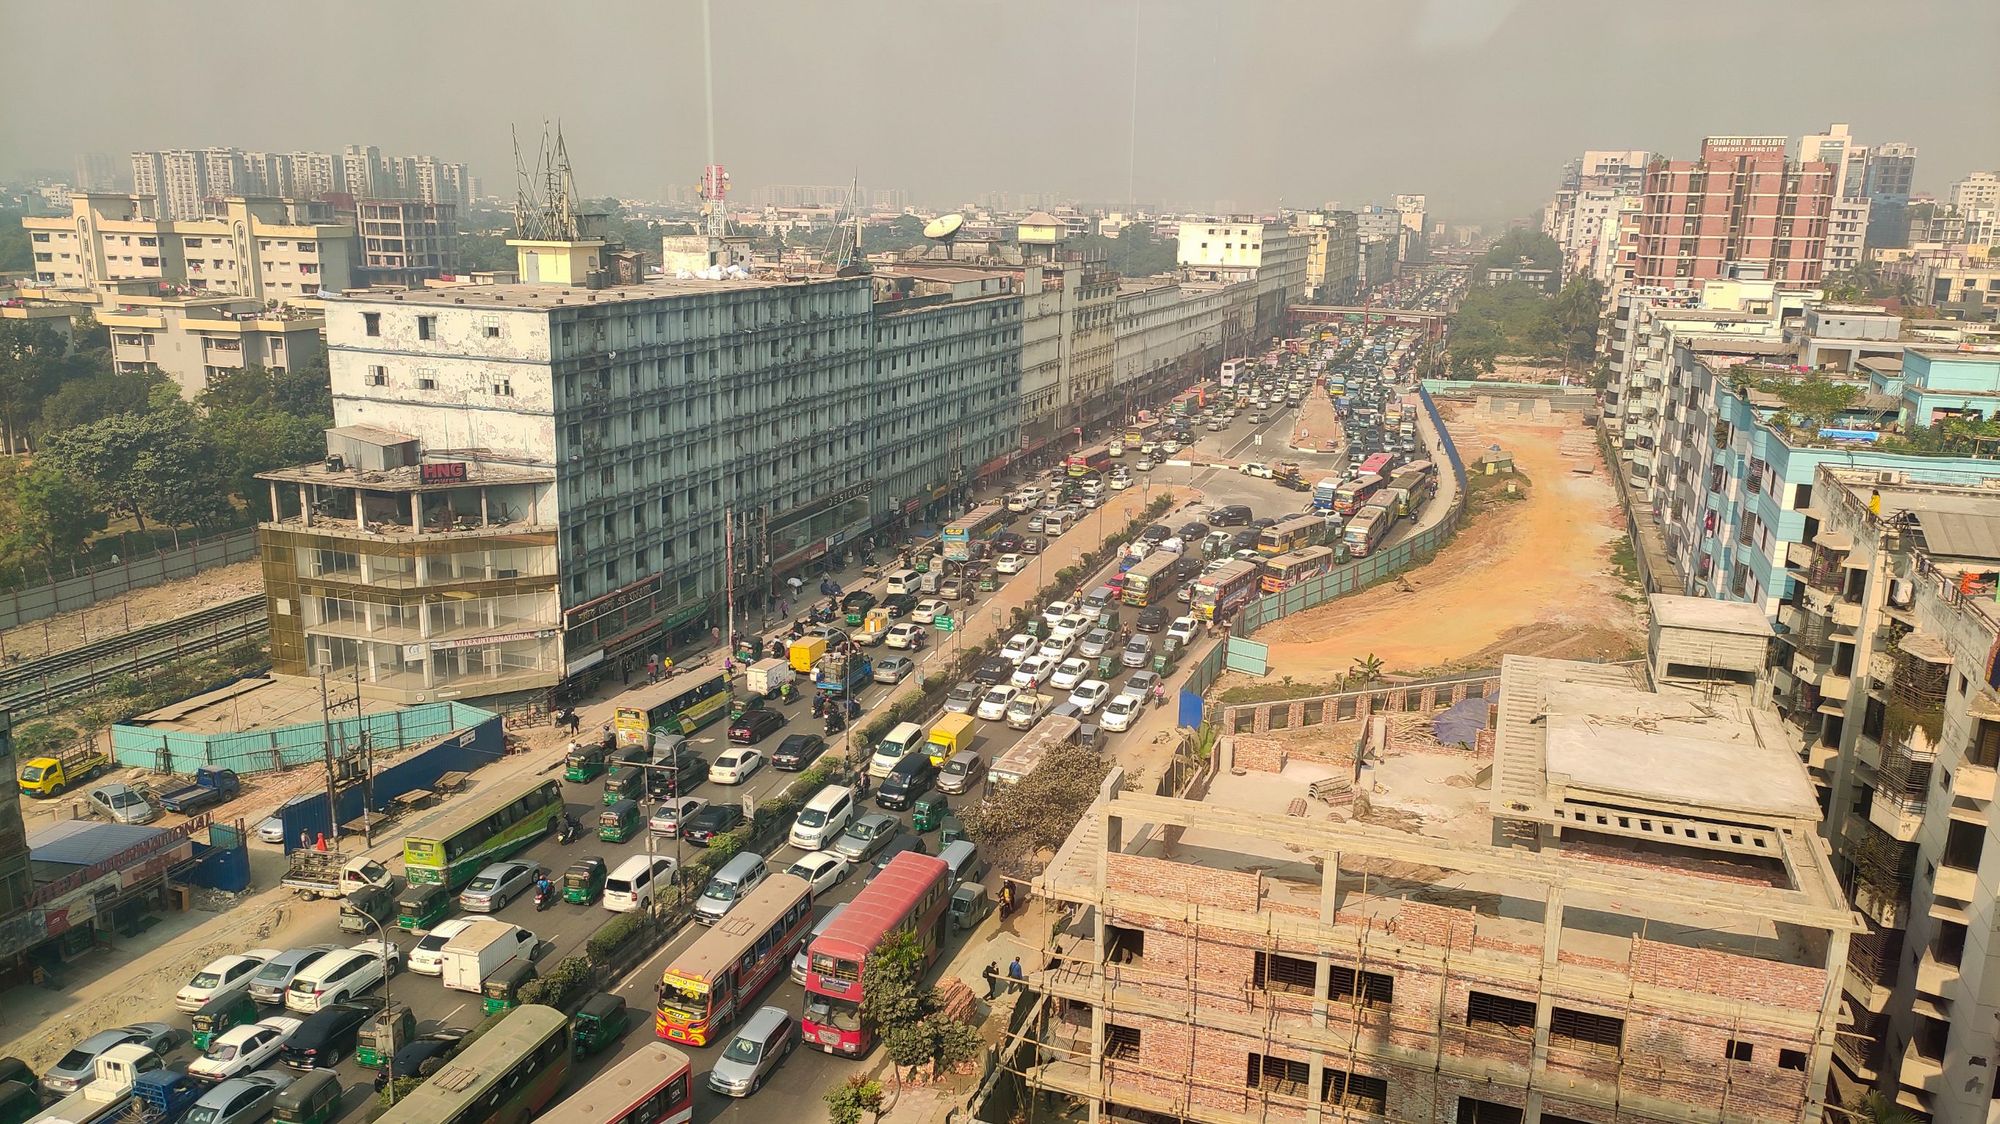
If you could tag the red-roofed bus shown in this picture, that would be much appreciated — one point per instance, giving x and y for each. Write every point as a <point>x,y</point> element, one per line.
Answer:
<point>910,895</point>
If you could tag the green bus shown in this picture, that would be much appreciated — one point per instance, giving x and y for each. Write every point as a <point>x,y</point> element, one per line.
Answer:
<point>483,832</point>
<point>510,1073</point>
<point>678,706</point>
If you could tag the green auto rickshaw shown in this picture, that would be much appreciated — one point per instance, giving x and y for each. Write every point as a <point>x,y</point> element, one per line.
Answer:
<point>583,881</point>
<point>585,763</point>
<point>624,784</point>
<point>598,1023</point>
<point>502,988</point>
<point>619,822</point>
<point>380,1037</point>
<point>928,812</point>
<point>949,830</point>
<point>365,902</point>
<point>19,1103</point>
<point>313,1098</point>
<point>220,1014</point>
<point>422,905</point>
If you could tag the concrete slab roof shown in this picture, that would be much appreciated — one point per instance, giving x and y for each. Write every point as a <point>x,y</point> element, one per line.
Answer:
<point>545,297</point>
<point>1709,615</point>
<point>1716,764</point>
<point>86,842</point>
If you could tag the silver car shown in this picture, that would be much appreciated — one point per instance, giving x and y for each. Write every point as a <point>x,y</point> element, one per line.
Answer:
<point>1095,643</point>
<point>269,984</point>
<point>491,889</point>
<point>121,803</point>
<point>77,1067</point>
<point>239,1100</point>
<point>767,1039</point>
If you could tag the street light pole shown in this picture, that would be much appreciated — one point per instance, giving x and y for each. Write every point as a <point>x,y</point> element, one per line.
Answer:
<point>388,1004</point>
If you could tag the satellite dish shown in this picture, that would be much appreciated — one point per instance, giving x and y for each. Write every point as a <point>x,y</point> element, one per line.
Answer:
<point>944,228</point>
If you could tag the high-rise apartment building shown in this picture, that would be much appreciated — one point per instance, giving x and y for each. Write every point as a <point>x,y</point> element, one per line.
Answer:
<point>95,172</point>
<point>183,183</point>
<point>1892,176</point>
<point>149,172</point>
<point>1741,210</point>
<point>1837,149</point>
<point>1977,189</point>
<point>224,172</point>
<point>1846,235</point>
<point>404,241</point>
<point>361,170</point>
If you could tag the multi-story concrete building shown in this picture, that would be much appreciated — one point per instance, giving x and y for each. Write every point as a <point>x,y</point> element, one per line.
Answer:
<point>1885,675</point>
<point>1585,225</point>
<point>1837,149</point>
<point>95,172</point>
<point>183,183</point>
<point>1412,209</point>
<point>1332,254</point>
<point>270,249</point>
<point>1891,179</point>
<point>195,339</point>
<point>149,171</point>
<point>1549,934</point>
<point>1239,249</point>
<point>361,170</point>
<point>403,241</point>
<point>1376,261</point>
<point>1742,204</point>
<point>1172,334</point>
<point>1846,235</point>
<point>1977,189</point>
<point>223,173</point>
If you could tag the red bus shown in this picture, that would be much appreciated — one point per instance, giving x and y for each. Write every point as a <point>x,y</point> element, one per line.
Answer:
<point>720,975</point>
<point>1377,465</point>
<point>1094,459</point>
<point>652,1086</point>
<point>909,895</point>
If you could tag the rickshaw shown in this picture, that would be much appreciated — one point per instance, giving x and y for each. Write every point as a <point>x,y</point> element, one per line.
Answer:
<point>313,1097</point>
<point>363,903</point>
<point>969,903</point>
<point>949,830</point>
<point>503,985</point>
<point>623,785</point>
<point>422,905</point>
<point>381,1036</point>
<point>585,763</point>
<point>619,822</point>
<point>220,1014</point>
<point>928,812</point>
<point>598,1023</point>
<point>583,881</point>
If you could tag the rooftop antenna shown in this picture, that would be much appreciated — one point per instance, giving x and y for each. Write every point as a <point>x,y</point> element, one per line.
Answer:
<point>714,179</point>
<point>944,230</point>
<point>545,198</point>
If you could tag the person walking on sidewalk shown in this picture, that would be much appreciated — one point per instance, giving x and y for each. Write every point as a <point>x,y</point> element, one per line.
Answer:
<point>1016,978</point>
<point>991,974</point>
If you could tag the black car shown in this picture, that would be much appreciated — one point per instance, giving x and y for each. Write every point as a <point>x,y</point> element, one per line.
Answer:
<point>1033,544</point>
<point>899,605</point>
<point>676,775</point>
<point>797,751</point>
<point>755,724</point>
<point>1007,542</point>
<point>913,776</point>
<point>860,601</point>
<point>1191,532</point>
<point>1244,540</point>
<point>328,1035</point>
<point>712,821</point>
<point>422,1057</point>
<point>1152,618</point>
<point>1230,515</point>
<point>993,672</point>
<point>1262,522</point>
<point>1156,534</point>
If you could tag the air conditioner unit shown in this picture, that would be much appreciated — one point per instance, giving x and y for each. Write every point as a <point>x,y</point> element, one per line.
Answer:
<point>1902,593</point>
<point>1885,478</point>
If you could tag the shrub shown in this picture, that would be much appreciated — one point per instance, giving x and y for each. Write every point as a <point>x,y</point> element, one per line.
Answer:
<point>566,983</point>
<point>613,935</point>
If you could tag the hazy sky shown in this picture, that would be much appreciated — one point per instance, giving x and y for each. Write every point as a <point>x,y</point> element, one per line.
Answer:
<point>1475,102</point>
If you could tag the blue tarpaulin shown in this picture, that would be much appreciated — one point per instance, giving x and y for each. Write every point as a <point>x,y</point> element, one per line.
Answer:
<point>1460,724</point>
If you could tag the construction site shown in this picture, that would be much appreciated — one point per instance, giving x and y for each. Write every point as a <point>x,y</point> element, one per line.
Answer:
<point>1603,899</point>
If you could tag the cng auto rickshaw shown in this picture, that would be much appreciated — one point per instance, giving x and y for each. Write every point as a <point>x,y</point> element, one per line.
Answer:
<point>624,784</point>
<point>381,1036</point>
<point>619,822</point>
<point>377,902</point>
<point>969,903</point>
<point>585,763</point>
<point>312,1098</point>
<point>598,1023</point>
<point>422,905</point>
<point>583,881</point>
<point>928,812</point>
<point>502,988</point>
<point>221,1013</point>
<point>950,830</point>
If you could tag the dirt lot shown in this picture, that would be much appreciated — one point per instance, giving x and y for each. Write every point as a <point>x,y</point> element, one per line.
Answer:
<point>132,610</point>
<point>1531,576</point>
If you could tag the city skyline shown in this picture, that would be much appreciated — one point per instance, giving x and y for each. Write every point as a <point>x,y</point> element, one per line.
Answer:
<point>1224,105</point>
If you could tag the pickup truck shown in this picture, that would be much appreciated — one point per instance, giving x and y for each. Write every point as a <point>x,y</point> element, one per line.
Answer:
<point>212,785</point>
<point>162,1097</point>
<point>1026,710</point>
<point>52,776</point>
<point>844,675</point>
<point>330,874</point>
<point>114,1075</point>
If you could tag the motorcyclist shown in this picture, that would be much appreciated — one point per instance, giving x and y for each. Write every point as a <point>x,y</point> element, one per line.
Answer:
<point>543,887</point>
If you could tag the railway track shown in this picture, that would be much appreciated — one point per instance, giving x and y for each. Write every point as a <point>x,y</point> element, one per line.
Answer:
<point>29,684</point>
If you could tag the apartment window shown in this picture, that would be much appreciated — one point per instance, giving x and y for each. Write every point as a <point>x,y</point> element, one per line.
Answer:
<point>504,388</point>
<point>1737,1050</point>
<point>491,326</point>
<point>1121,1041</point>
<point>426,327</point>
<point>378,376</point>
<point>308,247</point>
<point>1802,498</point>
<point>1792,1059</point>
<point>41,236</point>
<point>1274,972</point>
<point>1370,989</point>
<point>426,378</point>
<point>371,323</point>
<point>1962,844</point>
<point>1586,1030</point>
<point>1271,1074</point>
<point>1499,1011</point>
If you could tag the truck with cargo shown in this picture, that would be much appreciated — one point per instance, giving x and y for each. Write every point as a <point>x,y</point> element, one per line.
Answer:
<point>162,1097</point>
<point>1027,709</point>
<point>57,773</point>
<point>948,735</point>
<point>113,1076</point>
<point>1051,732</point>
<point>212,785</point>
<point>873,628</point>
<point>843,674</point>
<point>767,677</point>
<point>331,874</point>
<point>805,652</point>
<point>471,956</point>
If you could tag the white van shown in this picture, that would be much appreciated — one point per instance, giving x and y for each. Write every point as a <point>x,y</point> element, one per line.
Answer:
<point>905,581</point>
<point>634,883</point>
<point>824,816</point>
<point>894,746</point>
<point>961,858</point>
<point>1093,486</point>
<point>740,875</point>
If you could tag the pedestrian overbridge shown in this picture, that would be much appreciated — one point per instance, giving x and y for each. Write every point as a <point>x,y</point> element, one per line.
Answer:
<point>1431,320</point>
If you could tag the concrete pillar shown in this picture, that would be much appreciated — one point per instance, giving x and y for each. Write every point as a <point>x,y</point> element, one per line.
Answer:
<point>416,511</point>
<point>273,485</point>
<point>1552,913</point>
<point>485,517</point>
<point>305,507</point>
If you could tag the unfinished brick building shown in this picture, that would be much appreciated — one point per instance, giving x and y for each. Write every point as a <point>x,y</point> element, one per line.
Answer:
<point>1624,914</point>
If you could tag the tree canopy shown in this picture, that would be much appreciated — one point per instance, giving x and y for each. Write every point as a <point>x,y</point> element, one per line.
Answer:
<point>1520,319</point>
<point>1523,243</point>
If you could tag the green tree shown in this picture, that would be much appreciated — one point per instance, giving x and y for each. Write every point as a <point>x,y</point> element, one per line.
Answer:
<point>1524,244</point>
<point>903,232</point>
<point>1574,316</point>
<point>1040,811</point>
<point>853,1096</point>
<point>158,464</point>
<point>16,251</point>
<point>31,357</point>
<point>93,398</point>
<point>53,515</point>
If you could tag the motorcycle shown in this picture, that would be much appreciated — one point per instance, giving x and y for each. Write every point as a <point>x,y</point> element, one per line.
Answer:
<point>545,895</point>
<point>568,830</point>
<point>835,721</point>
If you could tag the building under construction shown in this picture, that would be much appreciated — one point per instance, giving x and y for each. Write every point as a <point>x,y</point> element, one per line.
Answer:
<point>1615,906</point>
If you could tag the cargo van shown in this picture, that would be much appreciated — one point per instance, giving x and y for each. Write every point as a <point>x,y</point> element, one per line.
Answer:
<point>894,746</point>
<point>952,733</point>
<point>905,581</point>
<point>961,858</point>
<point>826,815</point>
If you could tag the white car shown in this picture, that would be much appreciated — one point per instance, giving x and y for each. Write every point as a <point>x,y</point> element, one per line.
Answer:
<point>928,609</point>
<point>241,1049</point>
<point>223,975</point>
<point>1017,648</point>
<point>1063,628</point>
<point>1145,464</point>
<point>1120,713</point>
<point>993,707</point>
<point>1056,611</point>
<point>1032,671</point>
<point>1170,447</point>
<point>1010,564</point>
<point>1120,483</point>
<point>1057,650</point>
<point>735,766</point>
<point>1089,695</point>
<point>427,959</point>
<point>1183,629</point>
<point>822,870</point>
<point>338,976</point>
<point>1255,468</point>
<point>1069,674</point>
<point>904,635</point>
